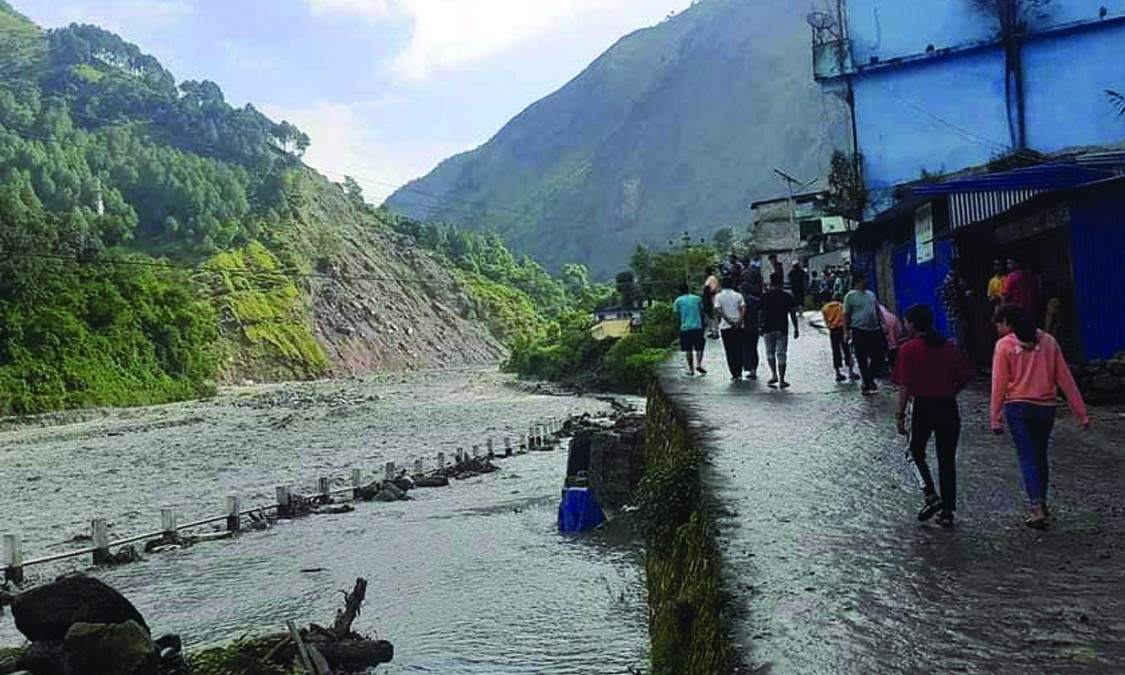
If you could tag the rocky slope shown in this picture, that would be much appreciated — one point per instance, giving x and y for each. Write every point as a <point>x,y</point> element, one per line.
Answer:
<point>676,127</point>
<point>382,303</point>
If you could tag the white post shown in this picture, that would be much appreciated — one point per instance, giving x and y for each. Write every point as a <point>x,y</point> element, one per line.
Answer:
<point>441,460</point>
<point>284,501</point>
<point>390,470</point>
<point>418,467</point>
<point>234,513</point>
<point>168,523</point>
<point>99,536</point>
<point>13,559</point>
<point>357,482</point>
<point>323,487</point>
<point>476,451</point>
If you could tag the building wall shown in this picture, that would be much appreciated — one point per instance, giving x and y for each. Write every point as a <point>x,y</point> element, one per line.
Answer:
<point>1065,89</point>
<point>938,115</point>
<point>943,112</point>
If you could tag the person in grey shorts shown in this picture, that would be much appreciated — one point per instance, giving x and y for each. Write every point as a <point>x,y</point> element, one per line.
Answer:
<point>776,310</point>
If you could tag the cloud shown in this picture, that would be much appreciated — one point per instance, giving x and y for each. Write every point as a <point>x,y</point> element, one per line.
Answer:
<point>129,16</point>
<point>446,34</point>
<point>346,141</point>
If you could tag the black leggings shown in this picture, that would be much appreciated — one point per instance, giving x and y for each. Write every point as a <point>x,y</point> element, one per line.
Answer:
<point>938,417</point>
<point>841,350</point>
<point>733,345</point>
<point>870,346</point>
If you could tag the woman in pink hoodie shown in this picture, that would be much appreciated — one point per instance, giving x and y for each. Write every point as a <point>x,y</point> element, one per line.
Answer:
<point>1027,370</point>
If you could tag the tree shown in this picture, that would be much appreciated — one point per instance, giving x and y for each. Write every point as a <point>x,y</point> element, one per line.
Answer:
<point>353,190</point>
<point>847,193</point>
<point>625,283</point>
<point>723,240</point>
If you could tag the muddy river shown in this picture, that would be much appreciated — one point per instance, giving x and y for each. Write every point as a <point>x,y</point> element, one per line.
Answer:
<point>472,578</point>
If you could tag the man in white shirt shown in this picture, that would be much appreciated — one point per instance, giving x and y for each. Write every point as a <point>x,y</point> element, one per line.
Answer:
<point>730,308</point>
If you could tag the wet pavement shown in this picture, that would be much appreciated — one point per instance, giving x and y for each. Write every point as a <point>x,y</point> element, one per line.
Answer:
<point>829,570</point>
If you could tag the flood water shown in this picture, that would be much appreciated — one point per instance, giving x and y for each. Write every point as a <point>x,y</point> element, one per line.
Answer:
<point>473,578</point>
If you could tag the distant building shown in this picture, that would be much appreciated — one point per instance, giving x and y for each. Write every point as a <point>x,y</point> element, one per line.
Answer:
<point>799,231</point>
<point>616,322</point>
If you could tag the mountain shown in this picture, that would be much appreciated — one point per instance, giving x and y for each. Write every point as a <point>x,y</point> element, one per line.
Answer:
<point>676,127</point>
<point>156,241</point>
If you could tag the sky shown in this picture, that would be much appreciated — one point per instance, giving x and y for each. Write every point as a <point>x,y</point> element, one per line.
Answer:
<point>385,88</point>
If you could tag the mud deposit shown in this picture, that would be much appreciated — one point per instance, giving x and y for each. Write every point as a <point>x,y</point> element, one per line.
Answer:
<point>467,579</point>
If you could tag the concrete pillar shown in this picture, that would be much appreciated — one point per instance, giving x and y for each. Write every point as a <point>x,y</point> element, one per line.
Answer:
<point>284,501</point>
<point>323,488</point>
<point>13,559</point>
<point>507,446</point>
<point>168,528</point>
<point>476,451</point>
<point>441,460</point>
<point>99,535</point>
<point>234,513</point>
<point>418,467</point>
<point>491,450</point>
<point>389,471</point>
<point>357,482</point>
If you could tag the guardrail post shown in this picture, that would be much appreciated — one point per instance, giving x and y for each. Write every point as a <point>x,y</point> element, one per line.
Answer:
<point>419,468</point>
<point>531,437</point>
<point>491,450</point>
<point>324,488</point>
<point>13,559</point>
<point>234,514</point>
<point>390,471</point>
<point>441,460</point>
<point>460,455</point>
<point>168,527</point>
<point>284,501</point>
<point>357,482</point>
<point>507,446</point>
<point>99,535</point>
<point>476,451</point>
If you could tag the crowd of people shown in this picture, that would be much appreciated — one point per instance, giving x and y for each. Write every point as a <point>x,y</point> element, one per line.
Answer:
<point>745,309</point>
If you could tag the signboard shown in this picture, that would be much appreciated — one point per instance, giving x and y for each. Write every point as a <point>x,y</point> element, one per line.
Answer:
<point>924,234</point>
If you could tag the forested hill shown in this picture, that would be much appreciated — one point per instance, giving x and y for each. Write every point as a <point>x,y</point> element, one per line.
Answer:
<point>677,127</point>
<point>156,241</point>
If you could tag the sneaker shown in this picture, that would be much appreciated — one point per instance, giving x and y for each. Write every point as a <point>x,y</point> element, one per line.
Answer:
<point>784,384</point>
<point>854,377</point>
<point>945,519</point>
<point>930,508</point>
<point>701,370</point>
<point>870,388</point>
<point>752,376</point>
<point>840,377</point>
<point>735,378</point>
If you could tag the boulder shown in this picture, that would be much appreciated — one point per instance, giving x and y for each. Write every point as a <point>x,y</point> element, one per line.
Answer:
<point>109,649</point>
<point>1105,382</point>
<point>47,612</point>
<point>390,493</point>
<point>42,658</point>
<point>431,482</point>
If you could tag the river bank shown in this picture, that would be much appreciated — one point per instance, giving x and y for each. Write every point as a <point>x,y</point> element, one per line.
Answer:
<point>467,579</point>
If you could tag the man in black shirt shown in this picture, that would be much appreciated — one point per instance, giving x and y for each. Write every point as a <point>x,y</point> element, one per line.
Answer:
<point>776,310</point>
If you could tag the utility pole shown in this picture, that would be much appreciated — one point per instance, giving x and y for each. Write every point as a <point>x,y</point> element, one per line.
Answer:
<point>790,181</point>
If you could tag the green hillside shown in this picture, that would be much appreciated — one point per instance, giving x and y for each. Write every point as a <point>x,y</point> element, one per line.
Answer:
<point>677,127</point>
<point>156,241</point>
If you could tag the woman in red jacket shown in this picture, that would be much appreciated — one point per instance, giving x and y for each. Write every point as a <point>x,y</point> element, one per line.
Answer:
<point>932,371</point>
<point>1028,368</point>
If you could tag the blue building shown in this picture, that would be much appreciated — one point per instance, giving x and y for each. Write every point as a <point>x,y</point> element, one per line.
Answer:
<point>938,86</point>
<point>969,89</point>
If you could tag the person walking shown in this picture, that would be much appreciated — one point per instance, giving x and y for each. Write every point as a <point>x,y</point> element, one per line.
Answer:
<point>751,330</point>
<point>1028,369</point>
<point>689,310</point>
<point>777,309</point>
<point>730,307</point>
<point>931,372</point>
<point>863,326</point>
<point>799,285</point>
<point>833,313</point>
<point>710,290</point>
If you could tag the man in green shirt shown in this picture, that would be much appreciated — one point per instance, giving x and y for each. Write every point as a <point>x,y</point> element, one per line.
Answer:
<point>689,309</point>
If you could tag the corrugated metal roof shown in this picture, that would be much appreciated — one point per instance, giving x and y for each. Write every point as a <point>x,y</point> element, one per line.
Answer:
<point>972,207</point>
<point>1043,177</point>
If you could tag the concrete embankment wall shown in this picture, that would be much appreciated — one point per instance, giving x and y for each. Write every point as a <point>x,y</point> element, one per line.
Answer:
<point>688,623</point>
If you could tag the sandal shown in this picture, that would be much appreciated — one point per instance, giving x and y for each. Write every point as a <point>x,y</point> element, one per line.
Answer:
<point>1038,518</point>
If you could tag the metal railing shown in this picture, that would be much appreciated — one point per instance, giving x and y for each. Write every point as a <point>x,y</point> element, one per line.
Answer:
<point>13,564</point>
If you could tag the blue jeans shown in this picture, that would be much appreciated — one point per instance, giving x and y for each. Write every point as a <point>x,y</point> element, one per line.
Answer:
<point>1031,427</point>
